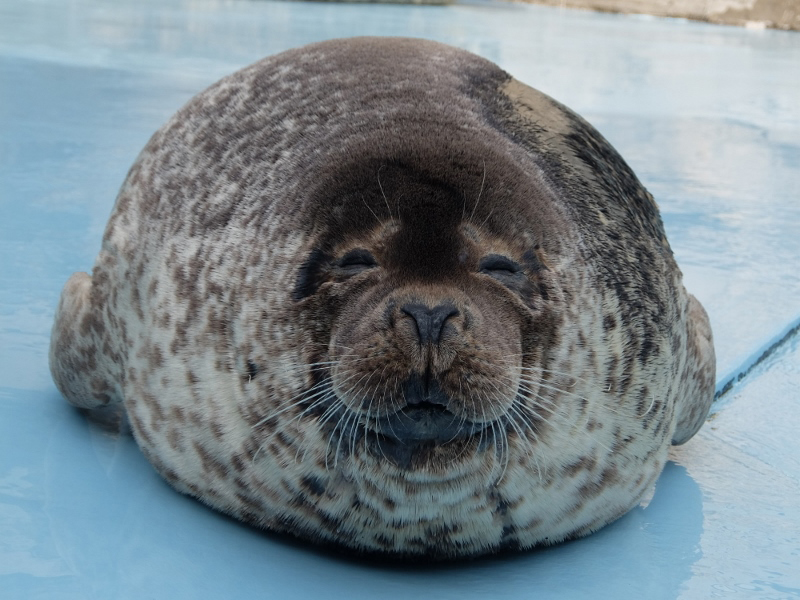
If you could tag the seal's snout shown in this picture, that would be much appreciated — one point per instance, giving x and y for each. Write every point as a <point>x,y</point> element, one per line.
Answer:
<point>430,322</point>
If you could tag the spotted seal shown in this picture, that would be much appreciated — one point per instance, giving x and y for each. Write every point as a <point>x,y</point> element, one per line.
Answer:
<point>376,293</point>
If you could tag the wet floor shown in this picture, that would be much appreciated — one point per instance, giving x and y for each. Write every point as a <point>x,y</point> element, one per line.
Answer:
<point>708,117</point>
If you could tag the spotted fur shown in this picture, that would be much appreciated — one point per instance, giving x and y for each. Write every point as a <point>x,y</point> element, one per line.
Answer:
<point>377,293</point>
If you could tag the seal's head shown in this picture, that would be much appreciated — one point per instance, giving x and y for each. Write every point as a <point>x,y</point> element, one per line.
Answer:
<point>377,293</point>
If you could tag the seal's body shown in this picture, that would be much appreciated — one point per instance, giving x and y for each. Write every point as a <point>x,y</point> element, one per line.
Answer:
<point>375,292</point>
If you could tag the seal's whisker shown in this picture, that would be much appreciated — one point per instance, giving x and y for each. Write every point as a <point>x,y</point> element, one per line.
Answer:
<point>300,399</point>
<point>336,432</point>
<point>581,432</point>
<point>379,445</point>
<point>535,368</point>
<point>270,437</point>
<point>604,405</point>
<point>320,422</point>
<point>480,192</point>
<point>499,396</point>
<point>335,409</point>
<point>513,358</point>
<point>533,396</point>
<point>366,425</point>
<point>320,365</point>
<point>539,384</point>
<point>521,434</point>
<point>505,451</point>
<point>357,414</point>
<point>369,208</point>
<point>288,407</point>
<point>649,408</point>
<point>501,444</point>
<point>535,384</point>
<point>348,416</point>
<point>385,199</point>
<point>488,216</point>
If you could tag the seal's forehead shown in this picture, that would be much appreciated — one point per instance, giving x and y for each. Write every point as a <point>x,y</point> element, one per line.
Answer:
<point>427,214</point>
<point>326,137</point>
<point>337,112</point>
<point>395,126</point>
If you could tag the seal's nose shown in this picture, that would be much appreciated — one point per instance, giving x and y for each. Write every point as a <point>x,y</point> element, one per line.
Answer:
<point>430,321</point>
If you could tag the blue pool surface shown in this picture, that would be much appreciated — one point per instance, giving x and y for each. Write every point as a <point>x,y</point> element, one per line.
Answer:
<point>708,117</point>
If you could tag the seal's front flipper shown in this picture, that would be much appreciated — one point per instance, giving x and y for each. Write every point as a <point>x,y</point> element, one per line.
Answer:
<point>78,360</point>
<point>698,378</point>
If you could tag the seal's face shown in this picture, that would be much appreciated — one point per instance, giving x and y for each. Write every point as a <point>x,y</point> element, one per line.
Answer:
<point>430,324</point>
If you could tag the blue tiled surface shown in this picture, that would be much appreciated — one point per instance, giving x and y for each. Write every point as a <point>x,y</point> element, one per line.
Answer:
<point>708,116</point>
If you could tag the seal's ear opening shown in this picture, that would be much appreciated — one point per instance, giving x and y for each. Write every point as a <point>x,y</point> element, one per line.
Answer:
<point>309,276</point>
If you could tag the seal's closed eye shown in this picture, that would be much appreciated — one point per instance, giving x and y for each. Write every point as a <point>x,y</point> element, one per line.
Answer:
<point>497,263</point>
<point>504,270</point>
<point>357,260</point>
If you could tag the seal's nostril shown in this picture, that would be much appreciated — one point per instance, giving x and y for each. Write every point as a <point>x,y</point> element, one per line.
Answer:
<point>430,321</point>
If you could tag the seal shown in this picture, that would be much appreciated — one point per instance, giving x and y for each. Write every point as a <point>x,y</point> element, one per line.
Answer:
<point>376,293</point>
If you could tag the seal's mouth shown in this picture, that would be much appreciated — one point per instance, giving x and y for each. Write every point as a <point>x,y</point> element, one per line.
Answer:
<point>425,423</point>
<point>423,426</point>
<point>426,417</point>
<point>413,432</point>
